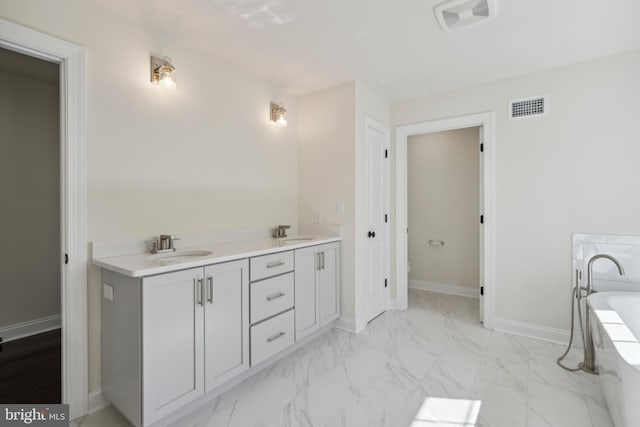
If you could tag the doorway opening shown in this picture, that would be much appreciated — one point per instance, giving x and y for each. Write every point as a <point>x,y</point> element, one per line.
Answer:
<point>443,198</point>
<point>72,252</point>
<point>30,294</point>
<point>484,122</point>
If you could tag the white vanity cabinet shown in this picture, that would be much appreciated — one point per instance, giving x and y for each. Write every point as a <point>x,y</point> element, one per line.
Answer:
<point>193,326</point>
<point>317,291</point>
<point>272,305</point>
<point>226,322</point>
<point>172,342</point>
<point>170,338</point>
<point>328,277</point>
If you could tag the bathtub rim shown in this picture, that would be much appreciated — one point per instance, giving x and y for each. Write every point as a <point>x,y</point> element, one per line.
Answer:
<point>628,351</point>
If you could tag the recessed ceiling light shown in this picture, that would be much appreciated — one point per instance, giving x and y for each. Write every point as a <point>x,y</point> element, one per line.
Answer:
<point>454,14</point>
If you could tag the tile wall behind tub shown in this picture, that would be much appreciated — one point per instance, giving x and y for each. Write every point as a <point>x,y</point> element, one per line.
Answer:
<point>626,249</point>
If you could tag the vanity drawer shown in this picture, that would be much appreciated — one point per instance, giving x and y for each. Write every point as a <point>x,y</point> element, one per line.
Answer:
<point>271,296</point>
<point>265,266</point>
<point>271,337</point>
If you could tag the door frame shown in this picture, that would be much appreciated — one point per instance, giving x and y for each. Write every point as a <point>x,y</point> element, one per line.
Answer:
<point>486,121</point>
<point>71,59</point>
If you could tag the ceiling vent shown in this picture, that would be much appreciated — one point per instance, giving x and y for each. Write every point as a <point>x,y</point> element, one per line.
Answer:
<point>534,106</point>
<point>454,14</point>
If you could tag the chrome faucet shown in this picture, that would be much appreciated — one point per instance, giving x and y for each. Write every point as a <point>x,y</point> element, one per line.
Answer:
<point>589,288</point>
<point>589,363</point>
<point>164,243</point>
<point>280,231</point>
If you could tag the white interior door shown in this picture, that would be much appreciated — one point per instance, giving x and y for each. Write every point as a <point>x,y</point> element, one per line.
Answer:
<point>376,234</point>
<point>481,208</point>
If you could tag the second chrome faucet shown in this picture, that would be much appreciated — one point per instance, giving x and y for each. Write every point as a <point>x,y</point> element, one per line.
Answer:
<point>280,231</point>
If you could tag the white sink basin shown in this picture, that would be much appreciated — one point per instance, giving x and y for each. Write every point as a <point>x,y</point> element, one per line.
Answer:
<point>177,256</point>
<point>295,240</point>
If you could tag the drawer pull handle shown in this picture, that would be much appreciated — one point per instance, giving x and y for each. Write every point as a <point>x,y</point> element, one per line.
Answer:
<point>275,296</point>
<point>275,264</point>
<point>200,291</point>
<point>276,336</point>
<point>210,289</point>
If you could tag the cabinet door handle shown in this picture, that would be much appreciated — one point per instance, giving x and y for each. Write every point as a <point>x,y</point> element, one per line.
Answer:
<point>275,296</point>
<point>318,262</point>
<point>322,253</point>
<point>276,336</point>
<point>275,264</point>
<point>200,291</point>
<point>210,289</point>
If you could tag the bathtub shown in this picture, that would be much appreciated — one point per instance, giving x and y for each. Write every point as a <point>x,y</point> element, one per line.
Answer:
<point>615,322</point>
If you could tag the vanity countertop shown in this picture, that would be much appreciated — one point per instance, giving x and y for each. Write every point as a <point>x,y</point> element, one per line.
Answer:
<point>145,264</point>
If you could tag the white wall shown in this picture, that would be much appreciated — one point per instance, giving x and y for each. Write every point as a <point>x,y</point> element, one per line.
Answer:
<point>326,156</point>
<point>575,170</point>
<point>444,204</point>
<point>331,134</point>
<point>30,189</point>
<point>203,157</point>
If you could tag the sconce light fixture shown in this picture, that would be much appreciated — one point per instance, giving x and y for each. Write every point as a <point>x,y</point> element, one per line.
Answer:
<point>278,114</point>
<point>163,73</point>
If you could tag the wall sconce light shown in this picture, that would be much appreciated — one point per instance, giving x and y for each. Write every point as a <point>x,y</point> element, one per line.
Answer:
<point>163,73</point>
<point>278,114</point>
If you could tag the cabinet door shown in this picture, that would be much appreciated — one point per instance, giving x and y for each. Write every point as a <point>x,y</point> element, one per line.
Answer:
<point>329,282</point>
<point>226,321</point>
<point>172,329</point>
<point>306,304</point>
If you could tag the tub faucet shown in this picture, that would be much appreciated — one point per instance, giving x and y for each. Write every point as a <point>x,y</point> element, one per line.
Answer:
<point>589,363</point>
<point>280,231</point>
<point>589,288</point>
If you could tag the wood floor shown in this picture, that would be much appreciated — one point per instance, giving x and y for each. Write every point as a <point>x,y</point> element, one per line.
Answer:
<point>30,369</point>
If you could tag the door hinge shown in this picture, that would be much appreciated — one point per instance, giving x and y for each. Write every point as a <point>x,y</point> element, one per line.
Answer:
<point>386,154</point>
<point>481,219</point>
<point>386,218</point>
<point>66,258</point>
<point>385,283</point>
<point>481,290</point>
<point>482,147</point>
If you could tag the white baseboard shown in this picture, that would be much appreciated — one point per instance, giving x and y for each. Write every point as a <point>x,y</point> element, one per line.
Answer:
<point>97,401</point>
<point>444,288</point>
<point>531,330</point>
<point>32,327</point>
<point>350,325</point>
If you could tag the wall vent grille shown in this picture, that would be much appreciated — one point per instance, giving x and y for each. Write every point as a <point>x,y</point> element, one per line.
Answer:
<point>534,106</point>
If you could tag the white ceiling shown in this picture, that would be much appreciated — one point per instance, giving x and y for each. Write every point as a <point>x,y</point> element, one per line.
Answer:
<point>396,47</point>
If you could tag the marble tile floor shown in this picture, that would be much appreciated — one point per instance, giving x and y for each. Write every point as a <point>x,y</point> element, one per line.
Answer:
<point>431,365</point>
